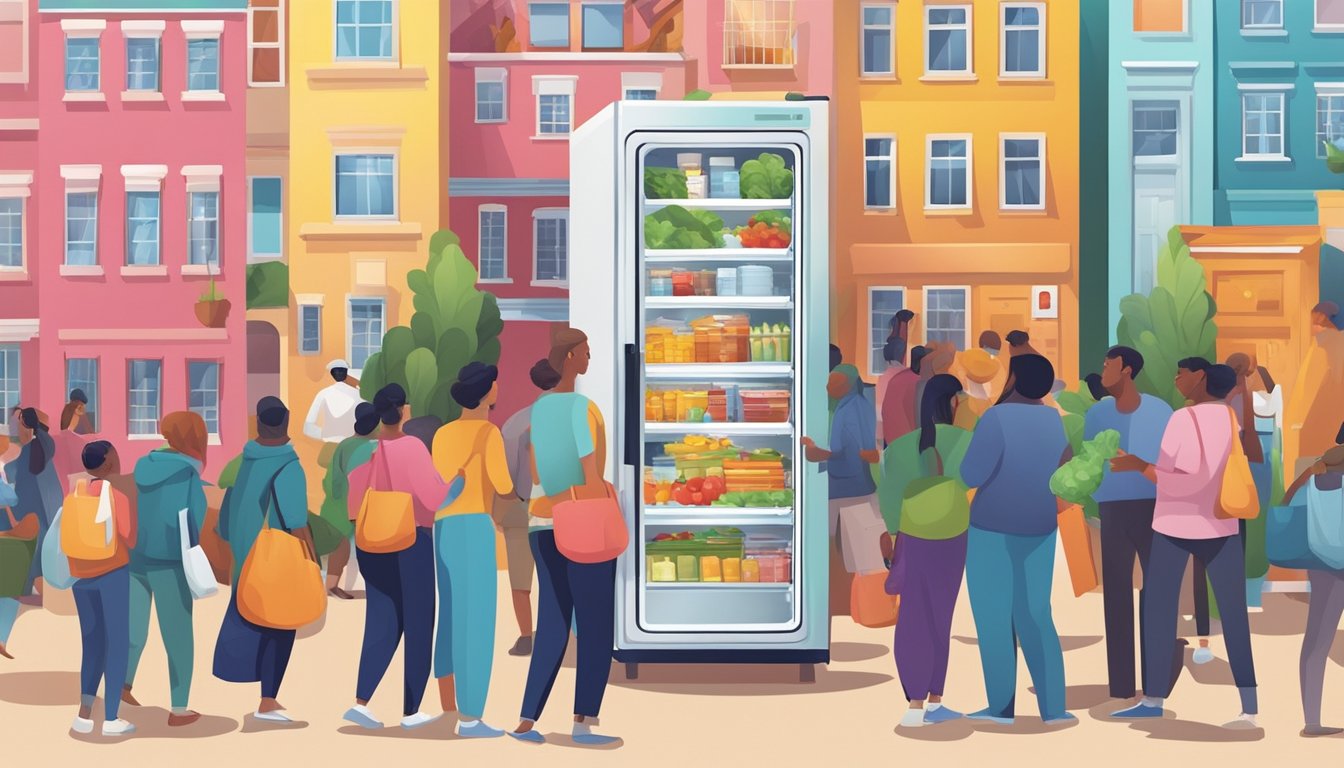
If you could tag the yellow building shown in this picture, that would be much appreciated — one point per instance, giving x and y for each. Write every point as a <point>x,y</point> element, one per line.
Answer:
<point>365,178</point>
<point>957,174</point>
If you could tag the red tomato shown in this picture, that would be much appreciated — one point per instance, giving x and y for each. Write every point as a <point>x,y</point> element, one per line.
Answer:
<point>714,485</point>
<point>696,484</point>
<point>682,496</point>
<point>697,498</point>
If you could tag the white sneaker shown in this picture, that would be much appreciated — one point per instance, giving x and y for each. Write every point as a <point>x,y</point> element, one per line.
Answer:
<point>363,717</point>
<point>81,725</point>
<point>1244,722</point>
<point>118,727</point>
<point>418,719</point>
<point>914,718</point>
<point>274,716</point>
<point>1203,655</point>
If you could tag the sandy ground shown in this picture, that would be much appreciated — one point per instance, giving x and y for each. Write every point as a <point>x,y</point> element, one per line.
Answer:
<point>719,716</point>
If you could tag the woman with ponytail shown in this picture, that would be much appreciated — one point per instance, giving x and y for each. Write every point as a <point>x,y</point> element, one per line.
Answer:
<point>399,604</point>
<point>38,487</point>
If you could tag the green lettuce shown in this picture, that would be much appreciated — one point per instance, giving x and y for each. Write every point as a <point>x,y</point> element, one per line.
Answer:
<point>766,178</point>
<point>1081,476</point>
<point>664,184</point>
<point>676,227</point>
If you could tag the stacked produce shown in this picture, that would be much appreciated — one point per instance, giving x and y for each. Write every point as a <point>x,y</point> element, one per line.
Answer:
<point>761,470</point>
<point>767,229</point>
<point>713,471</point>
<point>717,555</point>
<point>770,343</point>
<point>677,227</point>
<point>1081,476</point>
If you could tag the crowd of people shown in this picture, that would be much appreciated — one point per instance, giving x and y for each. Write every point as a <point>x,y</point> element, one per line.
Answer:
<point>128,534</point>
<point>967,443</point>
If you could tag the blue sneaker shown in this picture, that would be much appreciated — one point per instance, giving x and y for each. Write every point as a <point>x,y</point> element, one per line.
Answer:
<point>1062,720</point>
<point>985,715</point>
<point>528,737</point>
<point>1139,711</point>
<point>940,715</point>
<point>594,740</point>
<point>478,730</point>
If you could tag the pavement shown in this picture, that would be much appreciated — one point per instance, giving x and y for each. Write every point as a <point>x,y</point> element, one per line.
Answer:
<point>673,715</point>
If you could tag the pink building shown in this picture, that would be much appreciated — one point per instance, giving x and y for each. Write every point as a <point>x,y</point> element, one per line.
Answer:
<point>522,75</point>
<point>141,191</point>
<point>18,209</point>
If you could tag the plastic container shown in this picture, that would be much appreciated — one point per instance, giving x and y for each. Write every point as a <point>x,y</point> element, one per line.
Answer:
<point>724,179</point>
<point>725,281</point>
<point>661,569</point>
<point>751,570</point>
<point>688,568</point>
<point>683,283</point>
<point>711,568</point>
<point>732,569</point>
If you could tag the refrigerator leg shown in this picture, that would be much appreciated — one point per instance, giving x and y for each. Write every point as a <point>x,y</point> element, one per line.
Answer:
<point>631,670</point>
<point>807,673</point>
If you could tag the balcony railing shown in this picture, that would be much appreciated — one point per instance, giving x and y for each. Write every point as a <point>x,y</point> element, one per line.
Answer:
<point>758,34</point>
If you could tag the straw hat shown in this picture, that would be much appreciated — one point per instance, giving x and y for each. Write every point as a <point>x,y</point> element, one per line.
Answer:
<point>980,367</point>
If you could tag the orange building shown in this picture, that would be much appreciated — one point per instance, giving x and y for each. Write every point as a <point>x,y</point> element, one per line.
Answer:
<point>957,174</point>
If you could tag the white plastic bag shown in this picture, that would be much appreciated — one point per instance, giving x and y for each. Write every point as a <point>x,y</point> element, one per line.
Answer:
<point>200,578</point>
<point>104,514</point>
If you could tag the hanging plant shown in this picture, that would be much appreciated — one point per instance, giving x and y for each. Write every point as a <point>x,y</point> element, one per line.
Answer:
<point>212,309</point>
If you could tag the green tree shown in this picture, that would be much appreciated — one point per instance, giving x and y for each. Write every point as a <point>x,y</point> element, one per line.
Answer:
<point>453,324</point>
<point>1173,322</point>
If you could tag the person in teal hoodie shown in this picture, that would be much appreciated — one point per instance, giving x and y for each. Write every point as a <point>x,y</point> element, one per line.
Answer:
<point>270,482</point>
<point>168,480</point>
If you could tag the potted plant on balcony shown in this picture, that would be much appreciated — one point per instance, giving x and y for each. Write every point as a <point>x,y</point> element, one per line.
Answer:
<point>212,309</point>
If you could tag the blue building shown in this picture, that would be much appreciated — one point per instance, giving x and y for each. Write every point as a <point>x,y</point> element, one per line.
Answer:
<point>1280,95</point>
<point>1159,170</point>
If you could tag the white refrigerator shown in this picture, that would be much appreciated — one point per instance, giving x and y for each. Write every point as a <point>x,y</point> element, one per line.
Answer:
<point>699,268</point>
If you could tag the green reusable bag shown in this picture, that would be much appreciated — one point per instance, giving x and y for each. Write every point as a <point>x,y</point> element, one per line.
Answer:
<point>16,557</point>
<point>935,507</point>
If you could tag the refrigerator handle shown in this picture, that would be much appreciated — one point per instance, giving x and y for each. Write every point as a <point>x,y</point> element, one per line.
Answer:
<point>633,404</point>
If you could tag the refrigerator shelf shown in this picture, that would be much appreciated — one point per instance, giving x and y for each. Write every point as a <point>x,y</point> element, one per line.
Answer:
<point>710,371</point>
<point>771,586</point>
<point>722,204</point>
<point>727,255</point>
<point>718,302</point>
<point>725,428</point>
<point>736,517</point>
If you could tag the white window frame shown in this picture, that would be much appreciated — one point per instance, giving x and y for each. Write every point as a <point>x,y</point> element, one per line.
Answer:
<point>928,171</point>
<point>951,74</point>
<point>144,29</point>
<point>1039,74</point>
<point>278,45</point>
<point>350,327</point>
<point>6,403</point>
<point>1280,90</point>
<point>641,81</point>
<point>480,242</point>
<point>148,179</point>
<point>864,26</point>
<point>1335,90</point>
<point>82,28</point>
<point>12,11</point>
<point>81,179</point>
<point>1319,26</point>
<point>253,256</point>
<point>498,75</point>
<point>891,182</point>
<point>1004,138</point>
<point>553,85</point>
<point>538,215</point>
<point>394,49</point>
<point>17,185</point>
<point>130,433</point>
<point>924,315</point>
<point>1241,21</point>
<point>219,394</point>
<point>204,29</point>
<point>205,178</point>
<point>309,301</point>
<point>872,329</point>
<point>395,152</point>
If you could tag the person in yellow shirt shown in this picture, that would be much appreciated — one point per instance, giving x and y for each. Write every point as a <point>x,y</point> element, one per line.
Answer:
<point>1315,410</point>
<point>464,550</point>
<point>979,370</point>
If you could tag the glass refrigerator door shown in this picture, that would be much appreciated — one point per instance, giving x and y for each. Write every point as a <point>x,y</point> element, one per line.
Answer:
<point>718,292</point>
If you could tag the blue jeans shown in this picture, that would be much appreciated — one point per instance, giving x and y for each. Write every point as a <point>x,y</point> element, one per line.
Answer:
<point>9,613</point>
<point>399,604</point>
<point>464,560</point>
<point>565,589</point>
<point>104,606</point>
<point>1008,579</point>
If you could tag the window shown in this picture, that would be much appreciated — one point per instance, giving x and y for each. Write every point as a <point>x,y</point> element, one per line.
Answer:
<point>883,304</point>
<point>14,41</point>
<point>550,245</point>
<point>145,389</point>
<point>879,172</point>
<point>491,95</point>
<point>366,186</point>
<point>81,229</point>
<point>1262,14</point>
<point>758,34</point>
<point>555,99</point>
<point>81,64</point>
<point>1159,15</point>
<point>1154,128</point>
<point>10,379</point>
<point>367,317</point>
<point>947,39</point>
<point>948,182</point>
<point>203,393</point>
<point>1329,15</point>
<point>203,228</point>
<point>945,315</point>
<point>1262,125</point>
<point>641,86</point>
<point>11,233</point>
<point>1022,172</point>
<point>265,42</point>
<point>548,24</point>
<point>363,29</point>
<point>310,329</point>
<point>640,94</point>
<point>203,64</point>
<point>604,25</point>
<point>82,373</point>
<point>1329,121</point>
<point>878,53</point>
<point>142,228</point>
<point>264,222</point>
<point>1022,47</point>
<point>492,255</point>
<point>142,63</point>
